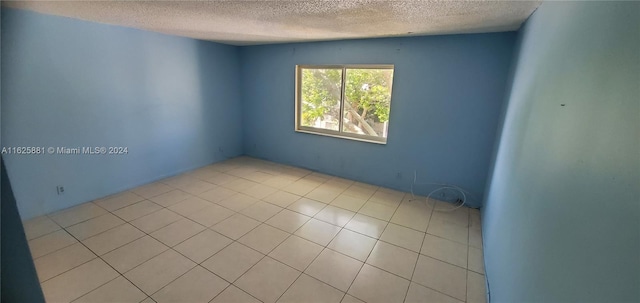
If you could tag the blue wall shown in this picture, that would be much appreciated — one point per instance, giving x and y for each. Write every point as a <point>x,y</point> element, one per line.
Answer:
<point>447,96</point>
<point>174,102</point>
<point>562,214</point>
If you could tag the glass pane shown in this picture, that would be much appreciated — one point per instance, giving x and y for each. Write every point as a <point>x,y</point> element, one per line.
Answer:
<point>320,98</point>
<point>368,101</point>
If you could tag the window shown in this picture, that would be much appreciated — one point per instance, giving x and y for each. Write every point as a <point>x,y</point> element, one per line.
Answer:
<point>351,101</point>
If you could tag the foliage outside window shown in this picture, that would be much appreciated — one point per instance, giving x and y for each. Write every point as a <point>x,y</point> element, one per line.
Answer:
<point>345,101</point>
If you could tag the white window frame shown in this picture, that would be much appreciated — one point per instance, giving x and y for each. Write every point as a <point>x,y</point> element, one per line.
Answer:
<point>339,133</point>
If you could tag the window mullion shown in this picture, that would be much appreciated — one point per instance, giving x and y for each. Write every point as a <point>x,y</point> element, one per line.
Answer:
<point>342,99</point>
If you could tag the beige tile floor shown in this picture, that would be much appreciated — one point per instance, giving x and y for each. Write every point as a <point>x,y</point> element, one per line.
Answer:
<point>247,230</point>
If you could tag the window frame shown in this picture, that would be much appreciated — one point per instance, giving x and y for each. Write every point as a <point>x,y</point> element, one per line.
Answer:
<point>339,133</point>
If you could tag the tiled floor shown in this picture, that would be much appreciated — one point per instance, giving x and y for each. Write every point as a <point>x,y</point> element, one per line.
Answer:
<point>247,230</point>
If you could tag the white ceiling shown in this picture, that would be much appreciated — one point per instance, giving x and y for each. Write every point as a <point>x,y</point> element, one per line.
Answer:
<point>263,22</point>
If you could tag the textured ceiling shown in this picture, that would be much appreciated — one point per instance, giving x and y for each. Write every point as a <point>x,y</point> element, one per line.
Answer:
<point>262,22</point>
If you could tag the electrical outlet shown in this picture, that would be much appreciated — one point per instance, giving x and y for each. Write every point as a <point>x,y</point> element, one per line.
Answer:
<point>60,189</point>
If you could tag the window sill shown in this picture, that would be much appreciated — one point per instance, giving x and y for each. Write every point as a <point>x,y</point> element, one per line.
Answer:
<point>334,134</point>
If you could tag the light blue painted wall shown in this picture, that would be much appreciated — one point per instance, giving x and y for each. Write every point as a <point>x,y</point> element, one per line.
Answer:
<point>562,215</point>
<point>174,102</point>
<point>447,96</point>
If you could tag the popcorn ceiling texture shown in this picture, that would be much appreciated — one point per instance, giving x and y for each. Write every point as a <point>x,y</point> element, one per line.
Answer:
<point>263,22</point>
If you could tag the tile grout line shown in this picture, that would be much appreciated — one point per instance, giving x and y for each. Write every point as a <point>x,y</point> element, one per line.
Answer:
<point>107,282</point>
<point>418,258</point>
<point>126,222</point>
<point>168,248</point>
<point>378,239</point>
<point>267,254</point>
<point>302,272</point>
<point>146,234</point>
<point>341,192</point>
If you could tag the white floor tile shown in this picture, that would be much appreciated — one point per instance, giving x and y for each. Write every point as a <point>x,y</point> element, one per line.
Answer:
<point>62,260</point>
<point>189,206</point>
<point>227,216</point>
<point>307,206</point>
<point>169,198</point>
<point>334,215</point>
<point>135,253</point>
<point>353,244</point>
<point>412,214</point>
<point>78,281</point>
<point>234,295</point>
<point>391,198</point>
<point>237,202</point>
<point>232,261</point>
<point>360,190</point>
<point>203,245</point>
<point>475,238</point>
<point>220,178</point>
<point>420,294</point>
<point>445,250</point>
<point>264,238</point>
<point>448,230</point>
<point>39,226</point>
<point>476,288</point>
<point>267,280</point>
<point>118,201</point>
<point>334,269</point>
<point>365,225</point>
<point>211,215</point>
<point>112,239</point>
<point>323,194</point>
<point>236,226</point>
<point>403,237</point>
<point>351,299</point>
<point>77,214</point>
<point>476,260</point>
<point>373,285</point>
<point>137,210</point>
<point>196,187</point>
<point>281,198</point>
<point>177,232</point>
<point>197,285</point>
<point>50,243</point>
<point>443,277</point>
<point>394,259</point>
<point>259,191</point>
<point>217,194</point>
<point>308,289</point>
<point>296,252</point>
<point>378,210</point>
<point>117,290</point>
<point>156,220</point>
<point>288,220</point>
<point>159,271</point>
<point>94,226</point>
<point>317,231</point>
<point>151,190</point>
<point>347,202</point>
<point>261,211</point>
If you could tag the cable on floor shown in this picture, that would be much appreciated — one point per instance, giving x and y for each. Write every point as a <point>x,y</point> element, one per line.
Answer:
<point>462,199</point>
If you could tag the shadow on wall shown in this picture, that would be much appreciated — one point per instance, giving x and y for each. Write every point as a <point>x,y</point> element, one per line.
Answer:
<point>19,279</point>
<point>219,80</point>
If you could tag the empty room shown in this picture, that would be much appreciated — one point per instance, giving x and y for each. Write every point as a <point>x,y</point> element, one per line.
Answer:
<point>320,151</point>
